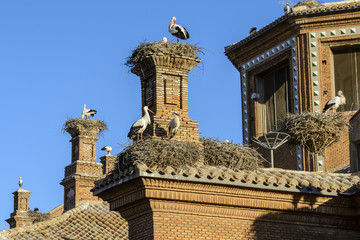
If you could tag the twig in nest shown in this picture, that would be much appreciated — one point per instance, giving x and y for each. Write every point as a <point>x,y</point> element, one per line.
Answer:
<point>314,131</point>
<point>231,155</point>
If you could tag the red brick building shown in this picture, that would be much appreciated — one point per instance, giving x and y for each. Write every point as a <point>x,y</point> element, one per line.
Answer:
<point>296,64</point>
<point>200,202</point>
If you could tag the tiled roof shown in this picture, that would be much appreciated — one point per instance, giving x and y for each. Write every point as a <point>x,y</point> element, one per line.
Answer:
<point>87,221</point>
<point>331,184</point>
<point>322,8</point>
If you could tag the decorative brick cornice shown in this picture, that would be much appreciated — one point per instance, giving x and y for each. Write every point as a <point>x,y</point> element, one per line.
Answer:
<point>325,9</point>
<point>325,184</point>
<point>144,195</point>
<point>165,61</point>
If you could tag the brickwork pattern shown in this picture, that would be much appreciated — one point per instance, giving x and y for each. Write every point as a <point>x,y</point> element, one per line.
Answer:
<point>178,209</point>
<point>354,137</point>
<point>164,89</point>
<point>108,162</point>
<point>83,170</point>
<point>196,226</point>
<point>142,227</point>
<point>338,154</point>
<point>316,36</point>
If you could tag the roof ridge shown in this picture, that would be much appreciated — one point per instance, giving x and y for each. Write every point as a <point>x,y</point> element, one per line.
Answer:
<point>63,217</point>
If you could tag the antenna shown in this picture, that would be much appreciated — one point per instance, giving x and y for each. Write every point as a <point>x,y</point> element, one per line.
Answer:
<point>272,141</point>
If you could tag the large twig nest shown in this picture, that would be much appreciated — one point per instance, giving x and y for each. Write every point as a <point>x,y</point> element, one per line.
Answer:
<point>73,125</point>
<point>314,131</point>
<point>231,155</point>
<point>145,50</point>
<point>182,155</point>
<point>176,154</point>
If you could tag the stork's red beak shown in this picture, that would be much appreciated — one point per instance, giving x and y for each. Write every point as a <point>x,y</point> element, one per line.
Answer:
<point>151,111</point>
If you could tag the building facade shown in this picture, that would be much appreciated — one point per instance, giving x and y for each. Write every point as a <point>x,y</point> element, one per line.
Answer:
<point>296,64</point>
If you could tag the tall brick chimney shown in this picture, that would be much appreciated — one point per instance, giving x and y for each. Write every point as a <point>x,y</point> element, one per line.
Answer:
<point>83,170</point>
<point>164,86</point>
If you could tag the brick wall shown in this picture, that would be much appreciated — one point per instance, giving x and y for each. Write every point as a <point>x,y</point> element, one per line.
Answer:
<point>196,226</point>
<point>158,208</point>
<point>164,89</point>
<point>354,137</point>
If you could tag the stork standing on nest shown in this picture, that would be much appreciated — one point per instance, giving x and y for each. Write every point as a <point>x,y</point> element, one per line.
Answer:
<point>174,125</point>
<point>140,125</point>
<point>335,102</point>
<point>88,112</point>
<point>108,149</point>
<point>178,30</point>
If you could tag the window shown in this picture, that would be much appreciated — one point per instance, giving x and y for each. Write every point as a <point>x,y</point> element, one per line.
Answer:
<point>273,104</point>
<point>346,71</point>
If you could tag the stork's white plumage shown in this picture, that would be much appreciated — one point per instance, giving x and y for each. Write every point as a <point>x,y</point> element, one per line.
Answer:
<point>287,8</point>
<point>88,112</point>
<point>164,40</point>
<point>140,125</point>
<point>108,149</point>
<point>335,102</point>
<point>20,182</point>
<point>178,30</point>
<point>174,125</point>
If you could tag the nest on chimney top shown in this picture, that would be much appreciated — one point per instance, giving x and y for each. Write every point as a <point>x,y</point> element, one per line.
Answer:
<point>314,131</point>
<point>144,50</point>
<point>74,123</point>
<point>181,155</point>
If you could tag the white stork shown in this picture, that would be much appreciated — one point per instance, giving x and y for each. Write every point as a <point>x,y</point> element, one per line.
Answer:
<point>164,40</point>
<point>287,8</point>
<point>178,30</point>
<point>252,30</point>
<point>108,149</point>
<point>140,125</point>
<point>20,182</point>
<point>88,112</point>
<point>174,125</point>
<point>335,102</point>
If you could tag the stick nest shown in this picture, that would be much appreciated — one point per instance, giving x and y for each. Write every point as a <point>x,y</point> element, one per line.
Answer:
<point>231,155</point>
<point>74,123</point>
<point>182,155</point>
<point>177,154</point>
<point>144,50</point>
<point>314,131</point>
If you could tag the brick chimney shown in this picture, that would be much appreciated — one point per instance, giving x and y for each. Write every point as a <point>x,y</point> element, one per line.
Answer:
<point>20,216</point>
<point>164,87</point>
<point>83,170</point>
<point>108,162</point>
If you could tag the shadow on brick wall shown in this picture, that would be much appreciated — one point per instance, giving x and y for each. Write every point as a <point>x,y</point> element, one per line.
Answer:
<point>305,223</point>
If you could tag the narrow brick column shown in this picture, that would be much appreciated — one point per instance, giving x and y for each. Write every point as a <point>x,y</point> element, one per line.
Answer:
<point>83,170</point>
<point>164,89</point>
<point>108,162</point>
<point>20,218</point>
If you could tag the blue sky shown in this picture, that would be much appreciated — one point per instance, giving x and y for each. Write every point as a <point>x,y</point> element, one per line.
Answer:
<point>57,55</point>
